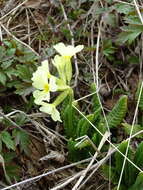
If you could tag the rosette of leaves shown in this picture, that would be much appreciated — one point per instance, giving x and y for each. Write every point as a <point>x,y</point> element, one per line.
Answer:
<point>132,179</point>
<point>76,126</point>
<point>17,64</point>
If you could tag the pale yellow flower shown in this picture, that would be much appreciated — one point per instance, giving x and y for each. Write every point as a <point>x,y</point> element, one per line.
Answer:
<point>51,110</point>
<point>60,62</point>
<point>44,82</point>
<point>67,51</point>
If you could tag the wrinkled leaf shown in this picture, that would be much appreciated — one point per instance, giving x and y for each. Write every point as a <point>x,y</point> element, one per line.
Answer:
<point>21,139</point>
<point>139,183</point>
<point>118,112</point>
<point>136,128</point>
<point>2,78</point>
<point>7,140</point>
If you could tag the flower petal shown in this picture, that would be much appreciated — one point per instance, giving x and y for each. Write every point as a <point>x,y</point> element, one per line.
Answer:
<point>55,115</point>
<point>41,96</point>
<point>51,110</point>
<point>79,48</point>
<point>39,79</point>
<point>52,84</point>
<point>45,65</point>
<point>47,108</point>
<point>69,50</point>
<point>60,48</point>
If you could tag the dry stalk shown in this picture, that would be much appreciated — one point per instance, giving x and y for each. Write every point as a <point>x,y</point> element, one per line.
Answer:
<point>14,37</point>
<point>14,9</point>
<point>102,142</point>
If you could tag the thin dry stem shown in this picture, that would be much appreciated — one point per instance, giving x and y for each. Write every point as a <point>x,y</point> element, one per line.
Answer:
<point>108,140</point>
<point>102,142</point>
<point>14,37</point>
<point>17,7</point>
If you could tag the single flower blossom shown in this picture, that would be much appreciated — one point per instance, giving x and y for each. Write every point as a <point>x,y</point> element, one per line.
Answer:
<point>67,51</point>
<point>44,82</point>
<point>51,110</point>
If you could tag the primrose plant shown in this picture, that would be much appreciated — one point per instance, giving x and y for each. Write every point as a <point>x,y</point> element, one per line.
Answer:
<point>46,83</point>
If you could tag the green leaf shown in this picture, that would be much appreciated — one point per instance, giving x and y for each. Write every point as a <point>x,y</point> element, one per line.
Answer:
<point>132,19</point>
<point>95,100</point>
<point>9,156</point>
<point>13,172</point>
<point>118,112</point>
<point>6,64</point>
<point>0,143</point>
<point>136,128</point>
<point>138,159</point>
<point>139,183</point>
<point>20,119</point>
<point>10,72</point>
<point>2,162</point>
<point>21,139</point>
<point>133,28</point>
<point>128,174</point>
<point>109,172</point>
<point>101,126</point>
<point>123,8</point>
<point>7,140</point>
<point>127,37</point>
<point>24,72</point>
<point>2,78</point>
<point>69,116</point>
<point>7,43</point>
<point>122,187</point>
<point>83,125</point>
<point>2,53</point>
<point>72,150</point>
<point>23,88</point>
<point>69,119</point>
<point>27,58</point>
<point>141,97</point>
<point>108,48</point>
<point>10,52</point>
<point>76,154</point>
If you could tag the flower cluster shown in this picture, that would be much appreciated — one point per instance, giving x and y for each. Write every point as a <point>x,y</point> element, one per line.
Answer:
<point>45,83</point>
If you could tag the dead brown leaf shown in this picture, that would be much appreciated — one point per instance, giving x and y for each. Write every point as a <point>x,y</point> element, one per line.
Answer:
<point>36,4</point>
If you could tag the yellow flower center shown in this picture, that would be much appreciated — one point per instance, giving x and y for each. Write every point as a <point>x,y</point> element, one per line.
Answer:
<point>46,88</point>
<point>67,56</point>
